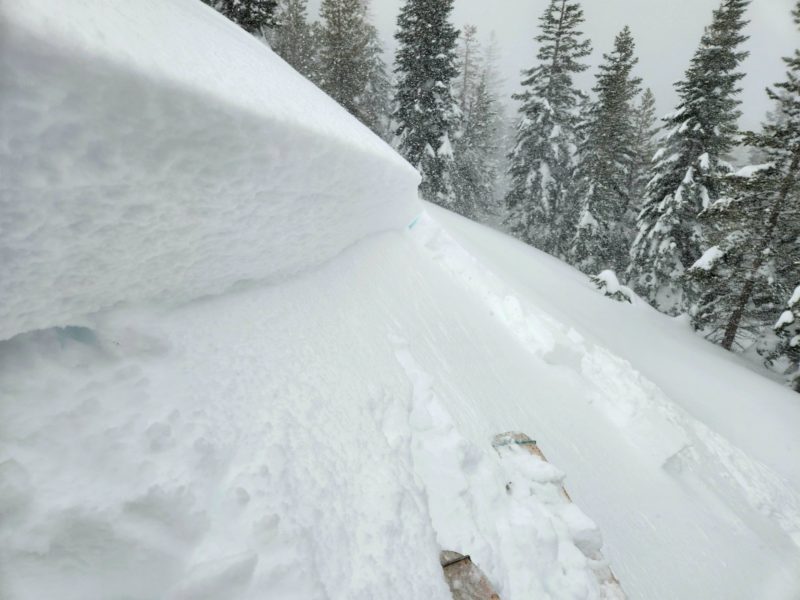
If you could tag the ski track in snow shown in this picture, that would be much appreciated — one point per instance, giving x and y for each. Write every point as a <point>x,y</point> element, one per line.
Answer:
<point>654,425</point>
<point>508,515</point>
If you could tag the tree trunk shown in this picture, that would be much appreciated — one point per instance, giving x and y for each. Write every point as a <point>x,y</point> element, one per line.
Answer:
<point>736,318</point>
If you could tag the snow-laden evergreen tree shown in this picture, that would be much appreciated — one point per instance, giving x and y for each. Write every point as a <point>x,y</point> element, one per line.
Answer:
<point>254,16</point>
<point>375,102</point>
<point>645,128</point>
<point>469,65</point>
<point>476,170</point>
<point>788,350</point>
<point>294,40</point>
<point>344,56</point>
<point>503,133</point>
<point>351,67</point>
<point>754,261</point>
<point>426,112</point>
<point>476,143</point>
<point>690,163</point>
<point>741,261</point>
<point>606,159</point>
<point>541,211</point>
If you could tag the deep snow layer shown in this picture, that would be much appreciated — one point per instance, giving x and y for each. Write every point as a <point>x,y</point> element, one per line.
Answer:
<point>152,151</point>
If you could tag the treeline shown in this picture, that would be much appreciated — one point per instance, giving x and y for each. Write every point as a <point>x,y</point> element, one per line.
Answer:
<point>591,177</point>
<point>686,230</point>
<point>439,106</point>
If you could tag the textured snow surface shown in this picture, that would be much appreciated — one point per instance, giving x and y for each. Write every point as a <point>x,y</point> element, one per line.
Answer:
<point>681,454</point>
<point>326,437</point>
<point>157,153</point>
<point>278,442</point>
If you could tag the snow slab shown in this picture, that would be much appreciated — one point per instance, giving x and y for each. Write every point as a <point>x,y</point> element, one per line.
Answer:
<point>155,153</point>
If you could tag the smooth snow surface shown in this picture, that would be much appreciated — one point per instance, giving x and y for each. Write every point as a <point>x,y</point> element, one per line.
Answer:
<point>156,153</point>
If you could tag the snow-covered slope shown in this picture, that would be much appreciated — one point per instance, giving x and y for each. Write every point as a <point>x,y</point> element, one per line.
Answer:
<point>323,432</point>
<point>167,433</point>
<point>153,152</point>
<point>325,437</point>
<point>674,447</point>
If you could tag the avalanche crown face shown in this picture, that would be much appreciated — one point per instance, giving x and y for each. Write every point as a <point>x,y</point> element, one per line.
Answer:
<point>187,168</point>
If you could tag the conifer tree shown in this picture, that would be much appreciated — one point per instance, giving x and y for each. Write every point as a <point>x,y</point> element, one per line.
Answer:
<point>469,63</point>
<point>254,16</point>
<point>645,129</point>
<point>540,209</point>
<point>426,112</point>
<point>351,68</point>
<point>754,261</point>
<point>476,144</point>
<point>475,153</point>
<point>344,63</point>
<point>375,102</point>
<point>690,163</point>
<point>606,158</point>
<point>502,134</point>
<point>788,328</point>
<point>738,227</point>
<point>294,40</point>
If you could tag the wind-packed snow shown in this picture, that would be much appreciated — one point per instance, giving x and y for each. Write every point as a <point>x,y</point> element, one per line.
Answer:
<point>157,154</point>
<point>326,430</point>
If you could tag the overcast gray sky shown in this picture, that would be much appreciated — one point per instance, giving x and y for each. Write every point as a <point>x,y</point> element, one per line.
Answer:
<point>666,31</point>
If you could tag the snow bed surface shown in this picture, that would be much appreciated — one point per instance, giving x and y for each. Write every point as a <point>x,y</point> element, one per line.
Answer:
<point>323,436</point>
<point>156,153</point>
